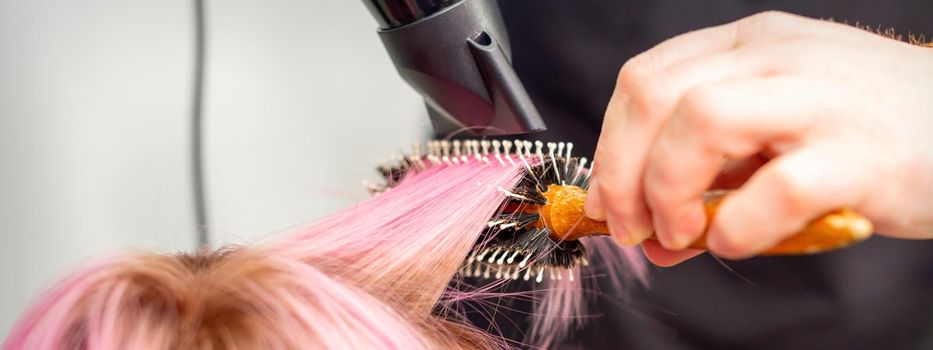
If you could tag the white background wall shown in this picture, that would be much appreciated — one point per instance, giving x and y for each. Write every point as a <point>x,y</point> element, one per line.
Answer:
<point>301,103</point>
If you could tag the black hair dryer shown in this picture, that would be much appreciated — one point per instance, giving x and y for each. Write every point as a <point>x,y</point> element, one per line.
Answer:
<point>456,54</point>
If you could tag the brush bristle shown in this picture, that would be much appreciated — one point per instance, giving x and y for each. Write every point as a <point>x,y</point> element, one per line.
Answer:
<point>515,244</point>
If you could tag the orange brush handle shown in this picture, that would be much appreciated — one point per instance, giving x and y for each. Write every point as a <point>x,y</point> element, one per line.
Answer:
<point>564,216</point>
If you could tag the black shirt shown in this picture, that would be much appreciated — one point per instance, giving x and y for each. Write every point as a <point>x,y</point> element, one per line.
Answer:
<point>875,295</point>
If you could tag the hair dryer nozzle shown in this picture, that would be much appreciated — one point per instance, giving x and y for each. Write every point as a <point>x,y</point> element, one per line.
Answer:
<point>456,54</point>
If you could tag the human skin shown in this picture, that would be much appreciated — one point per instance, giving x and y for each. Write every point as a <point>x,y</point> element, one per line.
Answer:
<point>805,115</point>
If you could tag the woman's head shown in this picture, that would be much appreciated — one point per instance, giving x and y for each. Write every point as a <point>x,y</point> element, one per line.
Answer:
<point>234,298</point>
<point>366,277</point>
<point>376,275</point>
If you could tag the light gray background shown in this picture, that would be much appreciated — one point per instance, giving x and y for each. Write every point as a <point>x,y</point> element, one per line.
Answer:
<point>301,103</point>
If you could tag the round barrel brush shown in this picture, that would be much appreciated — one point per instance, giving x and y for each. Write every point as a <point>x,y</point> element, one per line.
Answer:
<point>537,231</point>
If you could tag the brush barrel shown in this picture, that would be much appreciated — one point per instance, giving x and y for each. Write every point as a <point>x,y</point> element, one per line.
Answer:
<point>564,216</point>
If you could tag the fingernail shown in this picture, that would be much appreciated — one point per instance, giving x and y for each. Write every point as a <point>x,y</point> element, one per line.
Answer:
<point>593,206</point>
<point>688,228</point>
<point>623,240</point>
<point>680,241</point>
<point>637,236</point>
<point>683,238</point>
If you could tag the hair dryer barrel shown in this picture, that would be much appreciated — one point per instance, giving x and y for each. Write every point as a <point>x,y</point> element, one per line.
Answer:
<point>456,55</point>
<point>396,13</point>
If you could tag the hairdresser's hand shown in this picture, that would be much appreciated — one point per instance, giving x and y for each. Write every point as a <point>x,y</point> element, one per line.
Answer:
<point>843,117</point>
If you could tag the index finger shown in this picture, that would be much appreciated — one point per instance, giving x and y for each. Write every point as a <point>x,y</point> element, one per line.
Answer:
<point>629,128</point>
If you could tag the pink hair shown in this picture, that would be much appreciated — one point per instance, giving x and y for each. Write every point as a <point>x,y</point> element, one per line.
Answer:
<point>370,276</point>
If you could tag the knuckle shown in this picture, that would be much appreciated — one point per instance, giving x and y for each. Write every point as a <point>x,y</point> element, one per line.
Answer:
<point>657,197</point>
<point>701,109</point>
<point>650,98</point>
<point>661,178</point>
<point>793,196</point>
<point>643,84</point>
<point>654,186</point>
<point>769,16</point>
<point>763,23</point>
<point>612,194</point>
<point>619,202</point>
<point>635,70</point>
